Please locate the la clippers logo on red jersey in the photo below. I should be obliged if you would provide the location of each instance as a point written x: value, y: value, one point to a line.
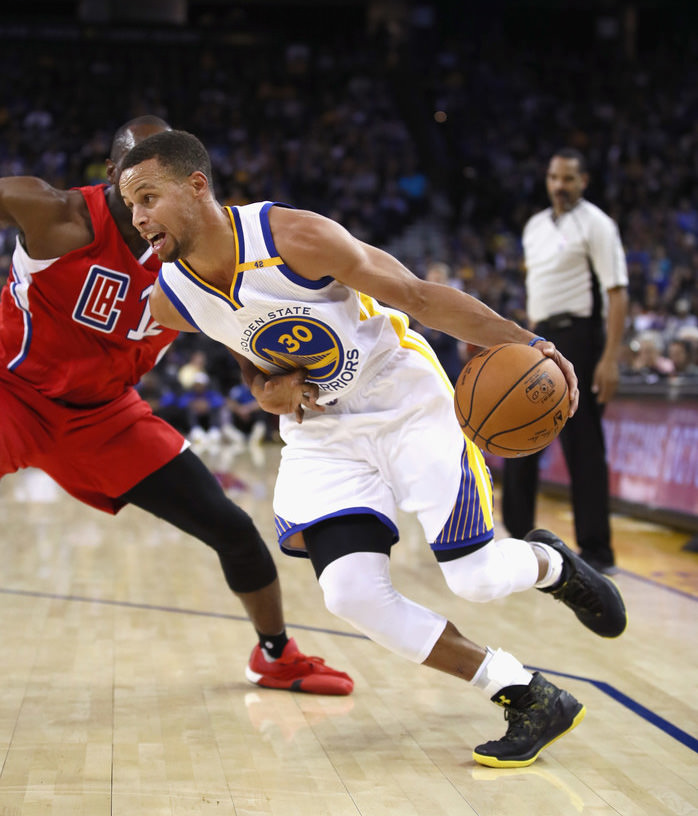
x: 97, y: 304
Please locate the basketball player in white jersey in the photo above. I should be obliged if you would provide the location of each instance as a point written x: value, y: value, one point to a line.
x: 285, y: 289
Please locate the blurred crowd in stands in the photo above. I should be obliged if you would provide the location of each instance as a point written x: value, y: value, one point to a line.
x: 418, y: 133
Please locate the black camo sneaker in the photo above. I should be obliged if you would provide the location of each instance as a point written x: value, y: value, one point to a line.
x: 593, y: 598
x: 537, y: 714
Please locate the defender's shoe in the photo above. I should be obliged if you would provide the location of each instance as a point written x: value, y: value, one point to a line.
x: 538, y: 714
x: 593, y: 598
x: 295, y: 671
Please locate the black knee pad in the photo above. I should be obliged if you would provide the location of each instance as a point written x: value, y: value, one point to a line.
x: 185, y: 493
x: 329, y: 540
x: 245, y: 558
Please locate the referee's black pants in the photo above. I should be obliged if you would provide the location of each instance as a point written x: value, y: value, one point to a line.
x: 584, y: 449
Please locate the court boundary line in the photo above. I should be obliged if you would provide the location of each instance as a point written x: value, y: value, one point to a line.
x: 645, y: 579
x: 640, y: 710
x: 177, y: 610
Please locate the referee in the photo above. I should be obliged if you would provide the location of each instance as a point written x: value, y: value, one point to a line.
x: 576, y: 289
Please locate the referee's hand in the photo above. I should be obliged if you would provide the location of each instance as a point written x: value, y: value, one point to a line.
x: 605, y: 383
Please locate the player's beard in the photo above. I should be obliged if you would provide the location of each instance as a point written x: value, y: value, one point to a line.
x: 174, y: 248
x: 171, y: 254
x: 185, y: 245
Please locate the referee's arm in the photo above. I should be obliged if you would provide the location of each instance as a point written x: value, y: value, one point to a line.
x: 606, y: 373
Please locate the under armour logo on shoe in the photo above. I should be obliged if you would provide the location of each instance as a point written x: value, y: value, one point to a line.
x: 503, y: 700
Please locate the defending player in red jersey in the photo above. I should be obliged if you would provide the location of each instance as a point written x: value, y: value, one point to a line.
x: 75, y: 336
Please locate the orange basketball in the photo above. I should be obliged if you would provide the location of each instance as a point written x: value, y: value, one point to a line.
x: 511, y: 400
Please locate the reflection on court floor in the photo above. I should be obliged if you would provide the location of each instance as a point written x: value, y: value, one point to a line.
x: 123, y: 693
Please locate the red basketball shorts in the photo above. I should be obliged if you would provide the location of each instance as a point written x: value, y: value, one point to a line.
x: 95, y: 454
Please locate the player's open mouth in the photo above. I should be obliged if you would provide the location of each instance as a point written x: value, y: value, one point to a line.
x: 157, y: 239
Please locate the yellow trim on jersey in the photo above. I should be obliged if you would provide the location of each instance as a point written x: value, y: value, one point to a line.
x: 238, y: 268
x: 238, y: 265
x: 245, y: 267
x: 206, y: 284
x: 408, y: 338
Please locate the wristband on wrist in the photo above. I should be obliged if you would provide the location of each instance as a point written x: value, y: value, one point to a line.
x: 535, y: 340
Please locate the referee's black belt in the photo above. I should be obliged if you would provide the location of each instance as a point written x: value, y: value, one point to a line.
x: 557, y: 322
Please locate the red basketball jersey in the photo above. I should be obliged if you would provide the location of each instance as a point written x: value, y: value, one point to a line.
x: 78, y: 328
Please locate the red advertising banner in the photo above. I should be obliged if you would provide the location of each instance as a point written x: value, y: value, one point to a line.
x: 652, y: 451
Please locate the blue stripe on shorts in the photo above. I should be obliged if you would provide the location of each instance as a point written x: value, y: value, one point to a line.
x: 467, y: 523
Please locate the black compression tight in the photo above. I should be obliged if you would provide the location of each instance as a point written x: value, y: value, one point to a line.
x: 185, y: 493
x: 335, y: 537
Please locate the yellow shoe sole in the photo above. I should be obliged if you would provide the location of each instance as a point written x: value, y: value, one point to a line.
x: 493, y: 762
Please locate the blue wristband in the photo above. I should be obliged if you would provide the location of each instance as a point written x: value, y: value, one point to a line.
x: 535, y: 340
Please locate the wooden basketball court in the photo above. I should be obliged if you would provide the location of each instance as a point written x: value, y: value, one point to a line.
x: 122, y: 688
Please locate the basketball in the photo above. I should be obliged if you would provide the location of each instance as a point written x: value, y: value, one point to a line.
x: 511, y: 400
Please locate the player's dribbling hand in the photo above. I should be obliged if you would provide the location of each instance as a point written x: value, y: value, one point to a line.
x: 550, y: 350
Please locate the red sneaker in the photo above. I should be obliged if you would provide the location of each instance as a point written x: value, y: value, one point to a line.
x: 296, y: 672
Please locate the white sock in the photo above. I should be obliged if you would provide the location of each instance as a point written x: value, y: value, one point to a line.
x: 498, y: 670
x: 554, y: 573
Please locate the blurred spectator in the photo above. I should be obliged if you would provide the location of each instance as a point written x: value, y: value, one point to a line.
x: 681, y: 318
x: 192, y: 370
x: 246, y: 415
x: 680, y: 352
x: 163, y: 401
x: 649, y: 361
x: 649, y: 313
x: 414, y: 185
x: 689, y: 334
x: 204, y: 407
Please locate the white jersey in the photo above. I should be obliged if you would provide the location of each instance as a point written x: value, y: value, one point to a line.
x: 563, y: 254
x: 282, y: 321
x: 389, y: 439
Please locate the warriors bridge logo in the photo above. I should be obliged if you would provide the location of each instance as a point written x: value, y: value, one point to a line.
x: 300, y: 342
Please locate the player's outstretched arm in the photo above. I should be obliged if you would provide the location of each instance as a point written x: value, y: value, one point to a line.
x: 53, y: 222
x: 315, y: 246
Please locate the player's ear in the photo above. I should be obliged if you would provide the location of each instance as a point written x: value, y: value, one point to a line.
x: 198, y: 182
x: 111, y: 171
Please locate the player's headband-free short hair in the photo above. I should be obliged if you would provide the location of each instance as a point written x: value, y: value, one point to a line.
x: 177, y: 150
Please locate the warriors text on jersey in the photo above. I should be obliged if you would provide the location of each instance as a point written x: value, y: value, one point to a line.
x: 78, y: 328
